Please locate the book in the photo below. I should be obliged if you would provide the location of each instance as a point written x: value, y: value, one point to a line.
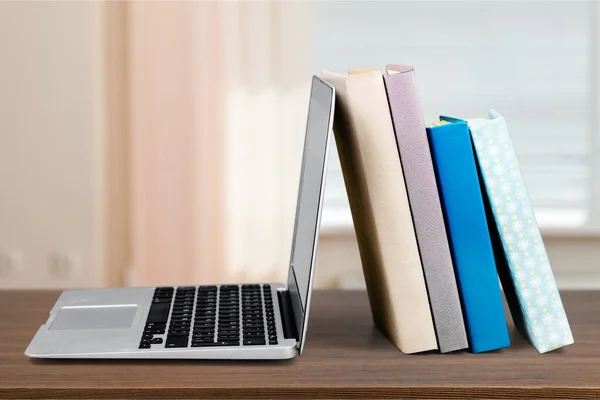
x: 381, y: 215
x: 415, y: 157
x: 521, y: 257
x: 464, y: 212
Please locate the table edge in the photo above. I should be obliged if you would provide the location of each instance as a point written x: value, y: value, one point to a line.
x: 329, y: 392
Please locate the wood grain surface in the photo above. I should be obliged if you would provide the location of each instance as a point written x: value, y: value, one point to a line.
x: 345, y: 357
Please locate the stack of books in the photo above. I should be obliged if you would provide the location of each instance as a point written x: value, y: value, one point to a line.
x: 440, y: 212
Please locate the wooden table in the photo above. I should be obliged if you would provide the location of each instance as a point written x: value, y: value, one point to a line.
x: 345, y: 357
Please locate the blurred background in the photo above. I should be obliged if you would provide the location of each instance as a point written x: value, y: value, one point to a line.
x: 155, y: 143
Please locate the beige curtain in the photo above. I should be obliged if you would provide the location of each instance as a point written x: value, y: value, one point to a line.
x: 217, y: 106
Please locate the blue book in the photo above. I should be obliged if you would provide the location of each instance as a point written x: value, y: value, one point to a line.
x: 470, y: 243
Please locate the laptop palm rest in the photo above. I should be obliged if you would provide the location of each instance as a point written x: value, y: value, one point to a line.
x: 95, y: 317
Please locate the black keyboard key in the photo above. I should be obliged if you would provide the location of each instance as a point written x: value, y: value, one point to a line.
x: 183, y: 304
x: 203, y: 340
x: 254, y: 328
x: 253, y: 322
x: 179, y: 299
x: 229, y: 314
x: 159, y: 312
x: 254, y: 342
x: 182, y: 328
x: 229, y: 327
x: 178, y: 316
x: 203, y: 344
x: 235, y: 317
x: 248, y: 335
x: 229, y: 321
x: 235, y: 339
x: 229, y: 306
x: 179, y: 331
x: 250, y: 327
x: 157, y: 340
x: 228, y: 342
x: 254, y: 334
x: 228, y: 333
x: 181, y: 317
x: 161, y: 300
x: 144, y: 345
x: 202, y: 337
x: 199, y: 322
x: 203, y: 333
x: 252, y: 316
x: 155, y: 331
x: 201, y: 327
x: 155, y: 324
x: 176, y: 341
x: 182, y: 321
x: 206, y: 304
x: 257, y: 308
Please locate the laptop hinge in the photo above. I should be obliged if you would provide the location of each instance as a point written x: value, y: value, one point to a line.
x: 287, y: 315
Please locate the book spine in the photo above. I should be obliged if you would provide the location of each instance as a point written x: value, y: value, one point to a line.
x: 415, y: 157
x: 531, y: 290
x: 380, y: 212
x: 470, y: 242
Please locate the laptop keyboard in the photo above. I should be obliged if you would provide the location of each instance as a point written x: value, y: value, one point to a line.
x: 209, y: 316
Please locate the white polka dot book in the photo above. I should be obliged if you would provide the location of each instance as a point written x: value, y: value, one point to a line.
x: 521, y: 258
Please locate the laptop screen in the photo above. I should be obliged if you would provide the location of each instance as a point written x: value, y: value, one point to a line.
x: 310, y: 197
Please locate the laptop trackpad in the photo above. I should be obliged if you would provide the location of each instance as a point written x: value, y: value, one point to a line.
x: 95, y: 317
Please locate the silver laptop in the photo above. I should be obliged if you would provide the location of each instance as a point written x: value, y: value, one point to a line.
x: 237, y: 321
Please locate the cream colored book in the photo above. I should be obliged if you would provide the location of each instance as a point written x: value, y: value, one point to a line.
x: 366, y: 144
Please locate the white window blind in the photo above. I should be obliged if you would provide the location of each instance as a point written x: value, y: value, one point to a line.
x: 534, y: 62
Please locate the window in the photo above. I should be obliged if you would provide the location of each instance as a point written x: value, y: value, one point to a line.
x: 537, y: 63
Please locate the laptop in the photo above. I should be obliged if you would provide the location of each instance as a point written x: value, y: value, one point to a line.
x: 235, y: 321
